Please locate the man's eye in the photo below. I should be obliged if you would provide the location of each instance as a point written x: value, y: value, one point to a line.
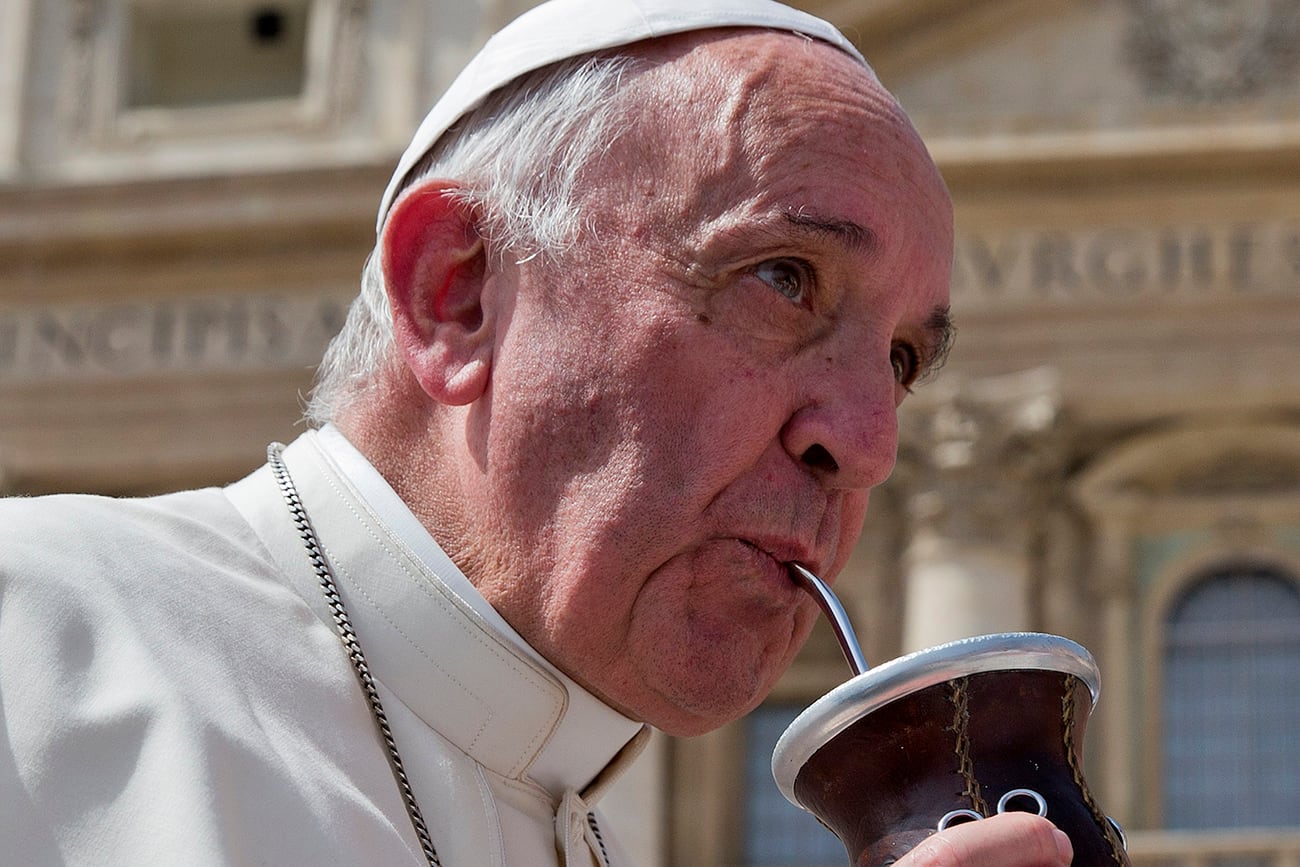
x: 906, y: 362
x: 790, y: 277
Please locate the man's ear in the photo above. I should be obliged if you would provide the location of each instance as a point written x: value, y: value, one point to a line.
x: 435, y: 268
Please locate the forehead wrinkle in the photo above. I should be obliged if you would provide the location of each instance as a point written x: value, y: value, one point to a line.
x: 685, y: 154
x: 733, y: 90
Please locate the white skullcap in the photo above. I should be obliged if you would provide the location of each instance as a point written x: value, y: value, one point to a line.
x: 560, y: 29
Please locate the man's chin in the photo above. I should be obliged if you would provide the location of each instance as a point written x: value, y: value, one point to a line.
x: 702, y: 678
x: 708, y: 703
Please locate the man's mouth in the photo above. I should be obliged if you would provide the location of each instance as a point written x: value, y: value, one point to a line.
x: 782, y: 551
x: 773, y: 560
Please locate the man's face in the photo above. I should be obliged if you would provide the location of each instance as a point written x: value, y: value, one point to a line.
x: 706, y: 388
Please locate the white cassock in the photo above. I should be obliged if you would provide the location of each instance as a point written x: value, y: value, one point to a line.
x: 173, y: 690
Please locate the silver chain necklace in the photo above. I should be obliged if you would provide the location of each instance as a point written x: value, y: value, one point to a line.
x: 350, y: 643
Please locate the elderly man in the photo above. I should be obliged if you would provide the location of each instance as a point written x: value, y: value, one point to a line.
x: 649, y: 286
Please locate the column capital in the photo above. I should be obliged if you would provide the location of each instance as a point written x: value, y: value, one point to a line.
x: 977, y: 456
x: 976, y: 453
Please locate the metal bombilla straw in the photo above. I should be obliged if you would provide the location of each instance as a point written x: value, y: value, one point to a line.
x: 834, y: 611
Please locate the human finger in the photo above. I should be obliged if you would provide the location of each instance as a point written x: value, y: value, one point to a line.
x: 1006, y: 840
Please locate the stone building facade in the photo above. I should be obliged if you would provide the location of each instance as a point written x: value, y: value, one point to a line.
x: 187, y: 193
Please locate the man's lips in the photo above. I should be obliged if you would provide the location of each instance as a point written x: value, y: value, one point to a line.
x: 776, y: 558
x: 751, y: 569
x: 784, y: 551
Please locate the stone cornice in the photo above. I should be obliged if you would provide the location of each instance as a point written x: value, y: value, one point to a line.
x: 46, y: 222
x: 1264, y: 154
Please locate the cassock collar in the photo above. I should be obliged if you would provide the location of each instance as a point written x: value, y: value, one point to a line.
x: 432, y: 640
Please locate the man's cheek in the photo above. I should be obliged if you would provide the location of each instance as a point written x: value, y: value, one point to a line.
x: 852, y: 518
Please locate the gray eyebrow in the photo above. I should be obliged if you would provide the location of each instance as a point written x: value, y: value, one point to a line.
x: 856, y: 237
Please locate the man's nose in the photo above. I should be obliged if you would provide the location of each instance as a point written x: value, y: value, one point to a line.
x: 846, y: 431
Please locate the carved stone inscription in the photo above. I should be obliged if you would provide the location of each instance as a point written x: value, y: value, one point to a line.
x: 1214, y: 49
x: 1107, y: 266
x: 214, y: 334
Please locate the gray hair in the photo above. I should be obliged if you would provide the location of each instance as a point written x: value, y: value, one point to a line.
x: 518, y: 159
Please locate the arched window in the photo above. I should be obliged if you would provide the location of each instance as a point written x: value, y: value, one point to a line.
x: 1232, y: 701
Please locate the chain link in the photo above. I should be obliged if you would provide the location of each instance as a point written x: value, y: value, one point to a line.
x: 353, y: 647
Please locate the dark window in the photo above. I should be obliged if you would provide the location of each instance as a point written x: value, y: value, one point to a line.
x: 776, y: 831
x: 1232, y: 702
x: 182, y: 54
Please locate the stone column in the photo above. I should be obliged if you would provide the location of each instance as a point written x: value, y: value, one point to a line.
x: 15, y: 18
x: 978, y: 457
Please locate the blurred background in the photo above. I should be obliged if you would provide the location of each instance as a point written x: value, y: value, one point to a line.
x: 187, y: 194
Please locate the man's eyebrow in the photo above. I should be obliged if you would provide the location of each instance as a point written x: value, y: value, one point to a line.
x: 856, y: 237
x: 940, y: 331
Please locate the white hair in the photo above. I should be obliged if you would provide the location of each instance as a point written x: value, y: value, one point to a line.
x: 517, y: 159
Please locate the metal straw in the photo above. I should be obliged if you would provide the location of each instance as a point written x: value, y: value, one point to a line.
x: 834, y: 611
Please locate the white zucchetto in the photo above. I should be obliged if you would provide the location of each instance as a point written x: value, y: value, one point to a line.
x: 561, y: 29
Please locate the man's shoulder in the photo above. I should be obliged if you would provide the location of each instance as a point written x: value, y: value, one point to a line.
x: 98, y: 529
x: 152, y: 660
x: 178, y: 586
x: 84, y: 547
